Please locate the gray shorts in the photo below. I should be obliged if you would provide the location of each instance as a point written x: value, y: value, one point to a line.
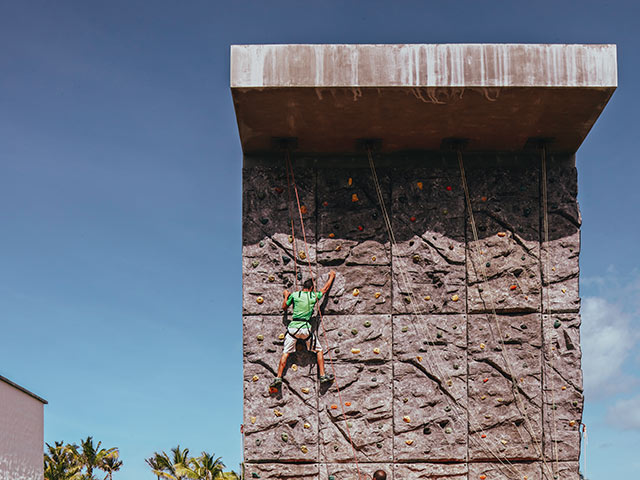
x: 294, y: 334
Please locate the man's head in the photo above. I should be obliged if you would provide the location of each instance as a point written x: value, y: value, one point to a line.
x: 379, y: 475
x: 308, y: 284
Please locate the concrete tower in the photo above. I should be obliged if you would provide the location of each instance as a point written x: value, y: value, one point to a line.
x: 439, y: 182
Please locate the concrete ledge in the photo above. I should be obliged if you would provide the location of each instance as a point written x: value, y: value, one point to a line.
x: 412, y: 96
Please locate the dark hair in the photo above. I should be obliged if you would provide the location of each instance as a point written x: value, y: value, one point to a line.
x: 308, y: 284
x: 380, y: 475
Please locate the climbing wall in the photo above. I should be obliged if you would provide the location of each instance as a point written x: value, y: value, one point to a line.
x: 455, y: 357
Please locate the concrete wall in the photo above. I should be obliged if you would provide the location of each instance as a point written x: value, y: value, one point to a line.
x: 21, y: 435
x: 436, y: 384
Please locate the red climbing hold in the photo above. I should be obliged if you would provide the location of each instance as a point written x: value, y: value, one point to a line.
x: 483, y: 436
x: 485, y: 380
x: 413, y: 219
x: 513, y: 287
x: 449, y: 188
x: 360, y: 227
x: 279, y: 190
x: 325, y: 204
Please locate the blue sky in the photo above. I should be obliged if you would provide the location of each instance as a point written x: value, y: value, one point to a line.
x: 120, y: 277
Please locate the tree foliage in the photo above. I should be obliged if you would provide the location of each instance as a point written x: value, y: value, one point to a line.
x: 72, y: 462
x: 180, y: 466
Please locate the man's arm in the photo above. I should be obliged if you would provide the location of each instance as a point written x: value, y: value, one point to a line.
x: 286, y: 297
x: 327, y: 285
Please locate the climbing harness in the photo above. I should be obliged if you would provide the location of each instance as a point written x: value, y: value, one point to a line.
x: 291, y: 177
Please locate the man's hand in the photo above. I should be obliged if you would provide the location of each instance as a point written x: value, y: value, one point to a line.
x: 286, y: 297
x: 327, y: 286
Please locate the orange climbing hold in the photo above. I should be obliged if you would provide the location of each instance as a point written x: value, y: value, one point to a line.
x: 303, y: 209
x: 513, y: 287
x: 354, y: 197
x: 413, y: 219
x: 348, y: 404
x: 484, y: 199
x: 350, y: 181
x: 334, y: 407
x: 332, y: 235
x: 483, y: 477
x: 419, y: 185
x: 502, y: 234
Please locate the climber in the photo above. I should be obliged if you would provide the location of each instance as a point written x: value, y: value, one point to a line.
x: 380, y: 475
x: 304, y: 302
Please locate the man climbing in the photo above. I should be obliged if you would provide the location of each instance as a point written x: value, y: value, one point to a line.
x: 304, y: 302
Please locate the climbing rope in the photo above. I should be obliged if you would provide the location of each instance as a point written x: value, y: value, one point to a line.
x: 324, y: 333
x: 293, y: 233
x: 545, y: 223
x: 408, y: 284
x: 516, y: 393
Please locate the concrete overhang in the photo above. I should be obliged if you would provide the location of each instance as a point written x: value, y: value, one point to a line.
x: 496, y: 96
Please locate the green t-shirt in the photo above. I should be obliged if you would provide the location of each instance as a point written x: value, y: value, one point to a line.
x: 303, y: 303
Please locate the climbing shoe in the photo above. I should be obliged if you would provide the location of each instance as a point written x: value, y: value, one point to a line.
x: 277, y: 383
x: 326, y: 378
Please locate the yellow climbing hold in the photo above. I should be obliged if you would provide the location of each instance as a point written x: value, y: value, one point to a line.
x: 483, y: 397
x: 290, y: 238
x: 271, y: 278
x: 277, y: 413
x: 455, y: 298
x: 350, y: 182
x: 564, y: 290
x: 427, y: 298
x: 260, y: 300
x: 255, y: 378
x: 409, y: 442
x: 564, y: 388
x: 294, y: 367
x: 338, y: 248
x: 354, y: 197
x: 373, y: 259
x: 419, y: 358
x: 304, y: 390
x: 449, y: 383
x: 355, y: 351
x: 356, y: 292
x: 482, y: 346
x: 376, y: 350
x: 377, y: 294
x: 304, y: 449
x: 281, y: 336
x: 419, y: 185
x: 253, y: 420
x: 572, y: 423
x: 406, y: 419
x: 499, y: 399
x: 502, y: 234
x: 306, y: 426
x: 504, y: 442
x: 302, y: 255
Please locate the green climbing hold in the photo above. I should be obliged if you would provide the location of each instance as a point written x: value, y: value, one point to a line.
x: 456, y: 366
x: 575, y: 404
x: 448, y: 430
x: 264, y: 220
x: 349, y: 424
x: 455, y: 327
x: 285, y: 437
x: 255, y: 263
x: 522, y: 258
x: 557, y: 324
x: 488, y: 264
x: 285, y: 259
x: 354, y: 331
x: 261, y: 243
x: 331, y: 477
x: 439, y: 335
x: 299, y: 275
x: 255, y: 475
x: 405, y: 329
x: 527, y: 212
x: 367, y: 324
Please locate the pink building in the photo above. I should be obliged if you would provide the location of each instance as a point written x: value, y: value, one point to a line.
x: 21, y: 433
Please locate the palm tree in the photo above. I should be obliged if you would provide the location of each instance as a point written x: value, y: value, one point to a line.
x: 61, y: 463
x: 204, y: 467
x: 91, y: 457
x: 167, y: 467
x: 111, y: 463
x: 155, y: 463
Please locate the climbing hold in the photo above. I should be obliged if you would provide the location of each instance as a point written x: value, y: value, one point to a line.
x: 483, y: 477
x: 513, y: 287
x: 325, y: 204
x: 339, y: 334
x: 404, y: 329
x: 377, y: 294
x: 281, y: 336
x: 409, y: 442
x: 527, y: 212
x: 439, y: 335
x: 356, y: 292
x: 427, y: 298
x: 253, y: 420
x: 354, y: 331
x: 348, y: 404
x: 290, y: 238
x: 350, y: 181
x: 416, y: 258
x: 355, y: 351
x: 488, y: 264
x: 255, y: 263
x: 564, y: 290
x: 376, y: 350
x: 373, y: 259
x: 572, y: 423
x: 502, y: 234
x: 413, y: 219
x: 331, y: 477
x: 303, y: 209
x: 482, y: 345
x: 302, y: 255
x: 483, y: 397
x: 332, y: 235
x: 360, y: 227
x: 277, y: 413
x: 450, y: 247
x: 304, y: 390
x: 504, y: 442
x: 261, y: 243
x: 338, y: 248
x: 419, y: 185
x: 455, y: 298
x: 255, y: 378
x: 407, y: 300
x: 285, y: 437
x: 255, y: 475
x: 448, y: 430
x: 485, y: 380
x: 449, y: 382
x: 271, y: 278
x: 260, y: 337
x: 447, y: 408
x: 449, y: 188
x: 484, y: 199
x: 557, y: 324
x: 445, y: 211
x: 294, y: 367
x: 419, y: 358
x: 499, y: 400
x: 522, y: 258
x: 406, y: 419
x: 299, y: 276
x: 334, y: 407
x: 483, y: 436
x: 367, y: 324
x: 264, y: 220
x: 304, y: 449
x: 260, y: 300
x: 285, y: 259
x: 379, y: 445
x: 354, y: 197
x: 306, y: 425
x: 279, y: 190
x: 405, y: 400
x: 564, y: 388
x: 456, y: 366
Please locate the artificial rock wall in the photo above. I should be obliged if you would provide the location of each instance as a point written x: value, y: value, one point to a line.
x: 434, y: 385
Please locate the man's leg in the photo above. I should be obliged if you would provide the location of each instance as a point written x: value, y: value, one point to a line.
x: 320, y: 363
x: 283, y: 363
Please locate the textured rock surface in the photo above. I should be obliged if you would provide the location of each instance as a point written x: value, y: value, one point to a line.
x: 427, y: 373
